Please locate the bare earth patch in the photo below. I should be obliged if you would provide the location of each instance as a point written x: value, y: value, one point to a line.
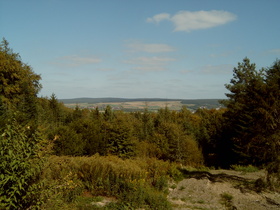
x: 222, y: 189
x: 105, y: 201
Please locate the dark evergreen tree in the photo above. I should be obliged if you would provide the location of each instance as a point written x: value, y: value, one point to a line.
x: 251, y: 122
x: 119, y: 137
x: 67, y: 142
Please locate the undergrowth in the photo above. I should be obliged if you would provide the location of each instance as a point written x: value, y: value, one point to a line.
x: 245, y: 169
x: 139, y: 183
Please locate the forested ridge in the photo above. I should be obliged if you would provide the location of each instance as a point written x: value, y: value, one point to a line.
x: 114, y: 152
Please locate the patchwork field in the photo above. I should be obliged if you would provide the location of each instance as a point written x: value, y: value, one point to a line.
x: 140, y: 104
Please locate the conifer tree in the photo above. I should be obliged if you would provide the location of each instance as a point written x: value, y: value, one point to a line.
x: 253, y: 113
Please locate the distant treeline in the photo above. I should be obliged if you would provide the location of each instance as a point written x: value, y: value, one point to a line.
x: 200, y: 102
x: 192, y: 104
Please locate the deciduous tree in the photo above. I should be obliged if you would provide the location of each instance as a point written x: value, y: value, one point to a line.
x: 19, y: 85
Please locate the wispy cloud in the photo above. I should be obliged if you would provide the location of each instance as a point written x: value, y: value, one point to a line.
x: 150, y: 63
x: 74, y: 60
x: 104, y: 69
x: 149, y: 48
x: 273, y: 51
x: 150, y: 60
x: 219, y: 55
x: 188, y: 21
x: 185, y: 71
x: 217, y: 69
x: 159, y: 17
x: 150, y: 68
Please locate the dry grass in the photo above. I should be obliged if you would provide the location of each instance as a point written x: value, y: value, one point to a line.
x: 140, y: 182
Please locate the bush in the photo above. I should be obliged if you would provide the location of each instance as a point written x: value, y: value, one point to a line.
x: 67, y: 141
x: 226, y: 199
x: 20, y: 168
x: 273, y: 175
x: 141, y: 195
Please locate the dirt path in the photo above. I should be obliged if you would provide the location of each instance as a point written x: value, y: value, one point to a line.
x: 222, y: 189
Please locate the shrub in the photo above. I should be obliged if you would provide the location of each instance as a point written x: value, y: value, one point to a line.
x: 273, y: 175
x: 67, y: 141
x: 226, y: 199
x: 109, y: 175
x: 20, y: 168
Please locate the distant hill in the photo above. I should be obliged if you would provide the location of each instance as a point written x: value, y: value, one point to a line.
x: 111, y: 100
x: 136, y: 104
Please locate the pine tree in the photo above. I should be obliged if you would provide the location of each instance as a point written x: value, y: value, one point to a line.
x: 252, y: 114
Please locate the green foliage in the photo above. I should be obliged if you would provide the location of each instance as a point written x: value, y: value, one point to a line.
x: 134, y: 183
x: 167, y: 135
x: 246, y: 169
x: 19, y: 85
x: 147, y: 149
x: 143, y: 196
x: 119, y: 137
x: 20, y: 168
x: 253, y: 113
x: 91, y: 135
x: 209, y: 134
x: 273, y: 175
x: 108, y: 114
x: 175, y: 145
x: 67, y: 141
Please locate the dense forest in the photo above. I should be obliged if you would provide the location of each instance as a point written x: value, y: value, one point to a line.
x: 40, y: 132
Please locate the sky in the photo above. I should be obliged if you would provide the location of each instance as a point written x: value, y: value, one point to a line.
x: 173, y: 49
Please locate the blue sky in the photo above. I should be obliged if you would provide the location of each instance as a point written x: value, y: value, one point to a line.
x: 182, y: 49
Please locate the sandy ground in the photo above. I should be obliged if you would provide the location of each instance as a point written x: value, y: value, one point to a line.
x: 221, y: 189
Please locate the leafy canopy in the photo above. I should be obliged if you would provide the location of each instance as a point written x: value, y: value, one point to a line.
x: 18, y: 82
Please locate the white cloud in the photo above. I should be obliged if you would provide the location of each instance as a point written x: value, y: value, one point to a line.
x: 217, y: 69
x: 149, y: 48
x: 158, y: 18
x: 149, y: 68
x: 150, y: 63
x: 149, y: 60
x: 189, y: 21
x: 74, y: 60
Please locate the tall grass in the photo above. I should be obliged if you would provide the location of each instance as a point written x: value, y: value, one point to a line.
x: 134, y: 183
